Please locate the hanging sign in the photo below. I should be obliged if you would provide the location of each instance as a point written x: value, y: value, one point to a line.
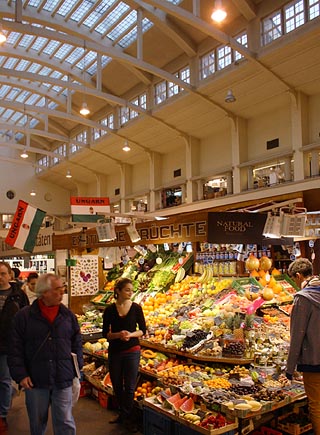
x: 190, y: 228
x: 235, y: 227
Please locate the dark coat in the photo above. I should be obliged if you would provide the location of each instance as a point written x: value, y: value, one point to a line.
x: 14, y: 302
x: 52, y: 365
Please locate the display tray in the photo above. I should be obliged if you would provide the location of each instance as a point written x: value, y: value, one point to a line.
x: 195, y: 357
x: 248, y: 413
x: 292, y: 428
x: 211, y: 430
x: 92, y: 336
x: 148, y: 402
x: 98, y: 384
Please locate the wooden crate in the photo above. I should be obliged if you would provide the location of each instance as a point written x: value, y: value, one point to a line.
x: 292, y: 428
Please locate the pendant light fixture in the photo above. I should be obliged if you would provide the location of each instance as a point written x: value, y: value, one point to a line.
x: 230, y: 98
x: 219, y: 14
x: 24, y: 154
x: 84, y: 110
x: 3, y: 37
x: 68, y: 174
x: 33, y: 192
x: 126, y: 147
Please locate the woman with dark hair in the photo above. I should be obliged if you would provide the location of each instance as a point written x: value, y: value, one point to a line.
x: 123, y: 325
x: 30, y: 285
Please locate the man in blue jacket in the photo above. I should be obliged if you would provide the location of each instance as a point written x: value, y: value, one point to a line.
x: 44, y: 336
x: 304, y: 352
x: 12, y: 299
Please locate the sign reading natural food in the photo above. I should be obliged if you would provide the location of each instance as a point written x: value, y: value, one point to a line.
x: 235, y: 227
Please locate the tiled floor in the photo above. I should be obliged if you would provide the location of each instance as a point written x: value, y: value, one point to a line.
x: 90, y: 417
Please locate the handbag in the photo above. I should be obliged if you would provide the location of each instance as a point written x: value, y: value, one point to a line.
x: 76, y: 385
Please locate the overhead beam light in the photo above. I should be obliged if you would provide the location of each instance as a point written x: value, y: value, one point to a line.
x: 126, y: 147
x: 219, y: 14
x: 3, y: 37
x: 84, y: 109
x: 230, y: 98
x: 24, y: 154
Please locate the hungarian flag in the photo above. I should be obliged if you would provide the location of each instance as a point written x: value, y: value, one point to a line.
x: 88, y: 209
x: 25, y: 227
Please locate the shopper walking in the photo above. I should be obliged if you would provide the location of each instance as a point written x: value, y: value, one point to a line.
x: 123, y: 325
x: 304, y: 352
x: 44, y: 335
x: 30, y: 286
x: 11, y: 300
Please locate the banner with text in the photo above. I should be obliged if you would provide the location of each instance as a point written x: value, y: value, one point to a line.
x: 88, y: 209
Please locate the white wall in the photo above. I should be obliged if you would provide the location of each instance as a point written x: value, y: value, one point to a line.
x: 21, y: 180
x: 140, y: 177
x: 270, y: 125
x: 210, y: 158
x: 171, y: 162
x: 314, y: 118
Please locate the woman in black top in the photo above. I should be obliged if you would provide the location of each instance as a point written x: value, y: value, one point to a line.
x: 123, y: 325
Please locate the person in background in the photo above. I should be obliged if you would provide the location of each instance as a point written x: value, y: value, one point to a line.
x: 123, y: 325
x: 29, y: 286
x: 15, y: 276
x: 12, y: 299
x: 304, y: 351
x: 43, y: 338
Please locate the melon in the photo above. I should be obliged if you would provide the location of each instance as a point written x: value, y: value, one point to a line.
x: 107, y: 380
x: 188, y: 405
x: 172, y: 399
x: 252, y: 263
x: 178, y: 403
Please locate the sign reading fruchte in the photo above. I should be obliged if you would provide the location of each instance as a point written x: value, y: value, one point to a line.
x: 88, y: 209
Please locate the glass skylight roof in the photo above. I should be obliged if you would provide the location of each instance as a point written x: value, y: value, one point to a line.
x: 110, y: 20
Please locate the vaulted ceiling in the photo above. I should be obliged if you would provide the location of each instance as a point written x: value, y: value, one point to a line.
x: 60, y: 53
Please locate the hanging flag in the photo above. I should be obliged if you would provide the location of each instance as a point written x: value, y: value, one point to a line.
x: 88, y: 209
x: 25, y: 227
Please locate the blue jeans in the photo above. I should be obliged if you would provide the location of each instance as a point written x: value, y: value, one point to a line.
x: 123, y: 368
x: 38, y: 401
x: 5, y: 387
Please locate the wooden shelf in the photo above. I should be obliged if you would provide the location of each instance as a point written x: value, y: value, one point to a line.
x: 167, y: 350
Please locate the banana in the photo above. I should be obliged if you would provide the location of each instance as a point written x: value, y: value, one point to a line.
x: 203, y: 277
x: 210, y: 272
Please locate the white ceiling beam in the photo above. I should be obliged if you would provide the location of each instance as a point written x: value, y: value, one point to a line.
x: 31, y: 149
x: 125, y: 58
x: 160, y: 19
x: 69, y: 117
x: 112, y: 99
x: 247, y: 8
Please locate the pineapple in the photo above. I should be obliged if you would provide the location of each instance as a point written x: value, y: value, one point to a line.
x: 248, y: 321
x: 237, y: 330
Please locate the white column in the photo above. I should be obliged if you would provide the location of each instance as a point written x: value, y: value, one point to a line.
x: 314, y: 163
x: 299, y: 124
x: 239, y: 151
x: 125, y: 183
x: 250, y: 177
x: 287, y: 169
x: 155, y: 180
x: 192, y: 167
